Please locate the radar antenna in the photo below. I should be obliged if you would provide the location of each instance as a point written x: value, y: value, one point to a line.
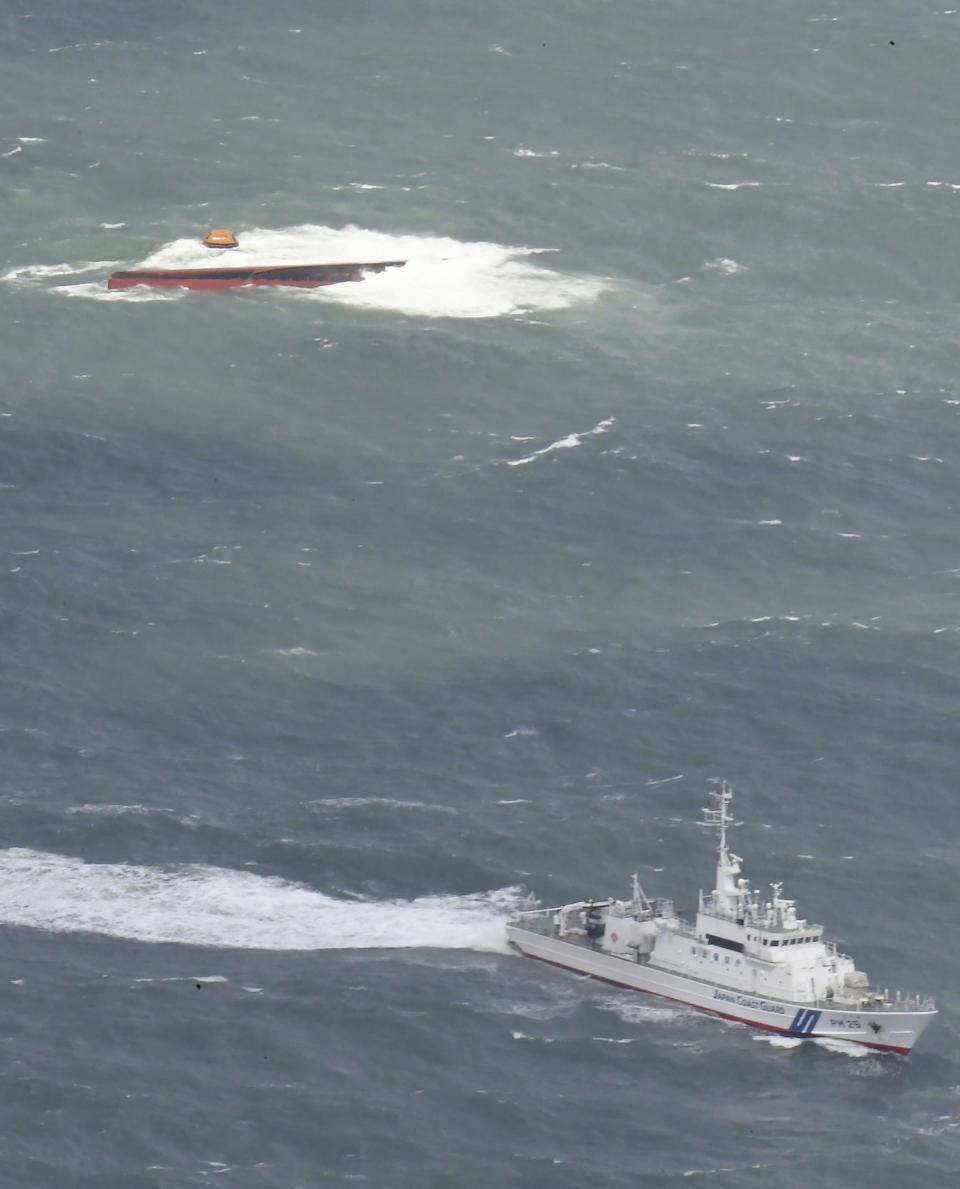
x: 727, y: 894
x: 718, y: 816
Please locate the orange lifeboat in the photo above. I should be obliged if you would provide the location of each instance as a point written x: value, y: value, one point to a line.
x: 219, y: 237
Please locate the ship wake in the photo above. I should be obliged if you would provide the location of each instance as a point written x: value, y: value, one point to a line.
x: 225, y: 909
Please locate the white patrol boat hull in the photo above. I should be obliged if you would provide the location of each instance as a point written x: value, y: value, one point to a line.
x: 888, y: 1030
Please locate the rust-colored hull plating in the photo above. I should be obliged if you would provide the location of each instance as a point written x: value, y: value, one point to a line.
x: 303, y: 276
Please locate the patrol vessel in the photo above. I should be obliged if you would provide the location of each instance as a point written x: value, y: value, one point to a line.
x: 744, y: 957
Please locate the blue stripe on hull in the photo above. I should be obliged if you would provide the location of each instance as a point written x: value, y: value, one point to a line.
x: 805, y: 1021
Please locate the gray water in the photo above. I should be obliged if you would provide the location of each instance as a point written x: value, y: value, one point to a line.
x: 335, y: 622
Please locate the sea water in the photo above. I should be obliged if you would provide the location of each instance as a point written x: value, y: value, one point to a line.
x: 337, y: 622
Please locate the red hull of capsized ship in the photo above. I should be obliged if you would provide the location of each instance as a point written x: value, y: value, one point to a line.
x: 302, y: 276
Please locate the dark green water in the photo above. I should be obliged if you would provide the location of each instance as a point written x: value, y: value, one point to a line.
x: 333, y: 622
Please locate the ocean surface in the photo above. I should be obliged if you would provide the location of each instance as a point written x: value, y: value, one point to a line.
x: 334, y: 623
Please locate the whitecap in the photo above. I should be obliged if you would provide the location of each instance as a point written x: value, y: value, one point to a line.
x: 566, y: 443
x: 117, y: 810
x: 725, y: 265
x: 360, y: 802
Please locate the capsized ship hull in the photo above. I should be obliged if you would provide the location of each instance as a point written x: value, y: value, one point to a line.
x: 302, y: 276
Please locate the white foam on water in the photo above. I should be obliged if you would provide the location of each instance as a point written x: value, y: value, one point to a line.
x: 845, y: 1047
x: 336, y: 803
x: 225, y: 909
x: 778, y: 1042
x: 95, y: 291
x: 98, y: 810
x: 521, y: 151
x: 468, y: 285
x: 725, y: 265
x: 567, y: 443
x: 41, y: 272
x: 442, y: 277
x: 644, y: 1009
x: 713, y: 1172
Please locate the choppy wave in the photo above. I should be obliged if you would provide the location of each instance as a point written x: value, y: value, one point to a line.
x: 221, y: 908
x: 568, y: 442
x: 442, y: 277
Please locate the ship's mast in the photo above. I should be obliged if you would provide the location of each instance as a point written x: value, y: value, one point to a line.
x: 728, y: 894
